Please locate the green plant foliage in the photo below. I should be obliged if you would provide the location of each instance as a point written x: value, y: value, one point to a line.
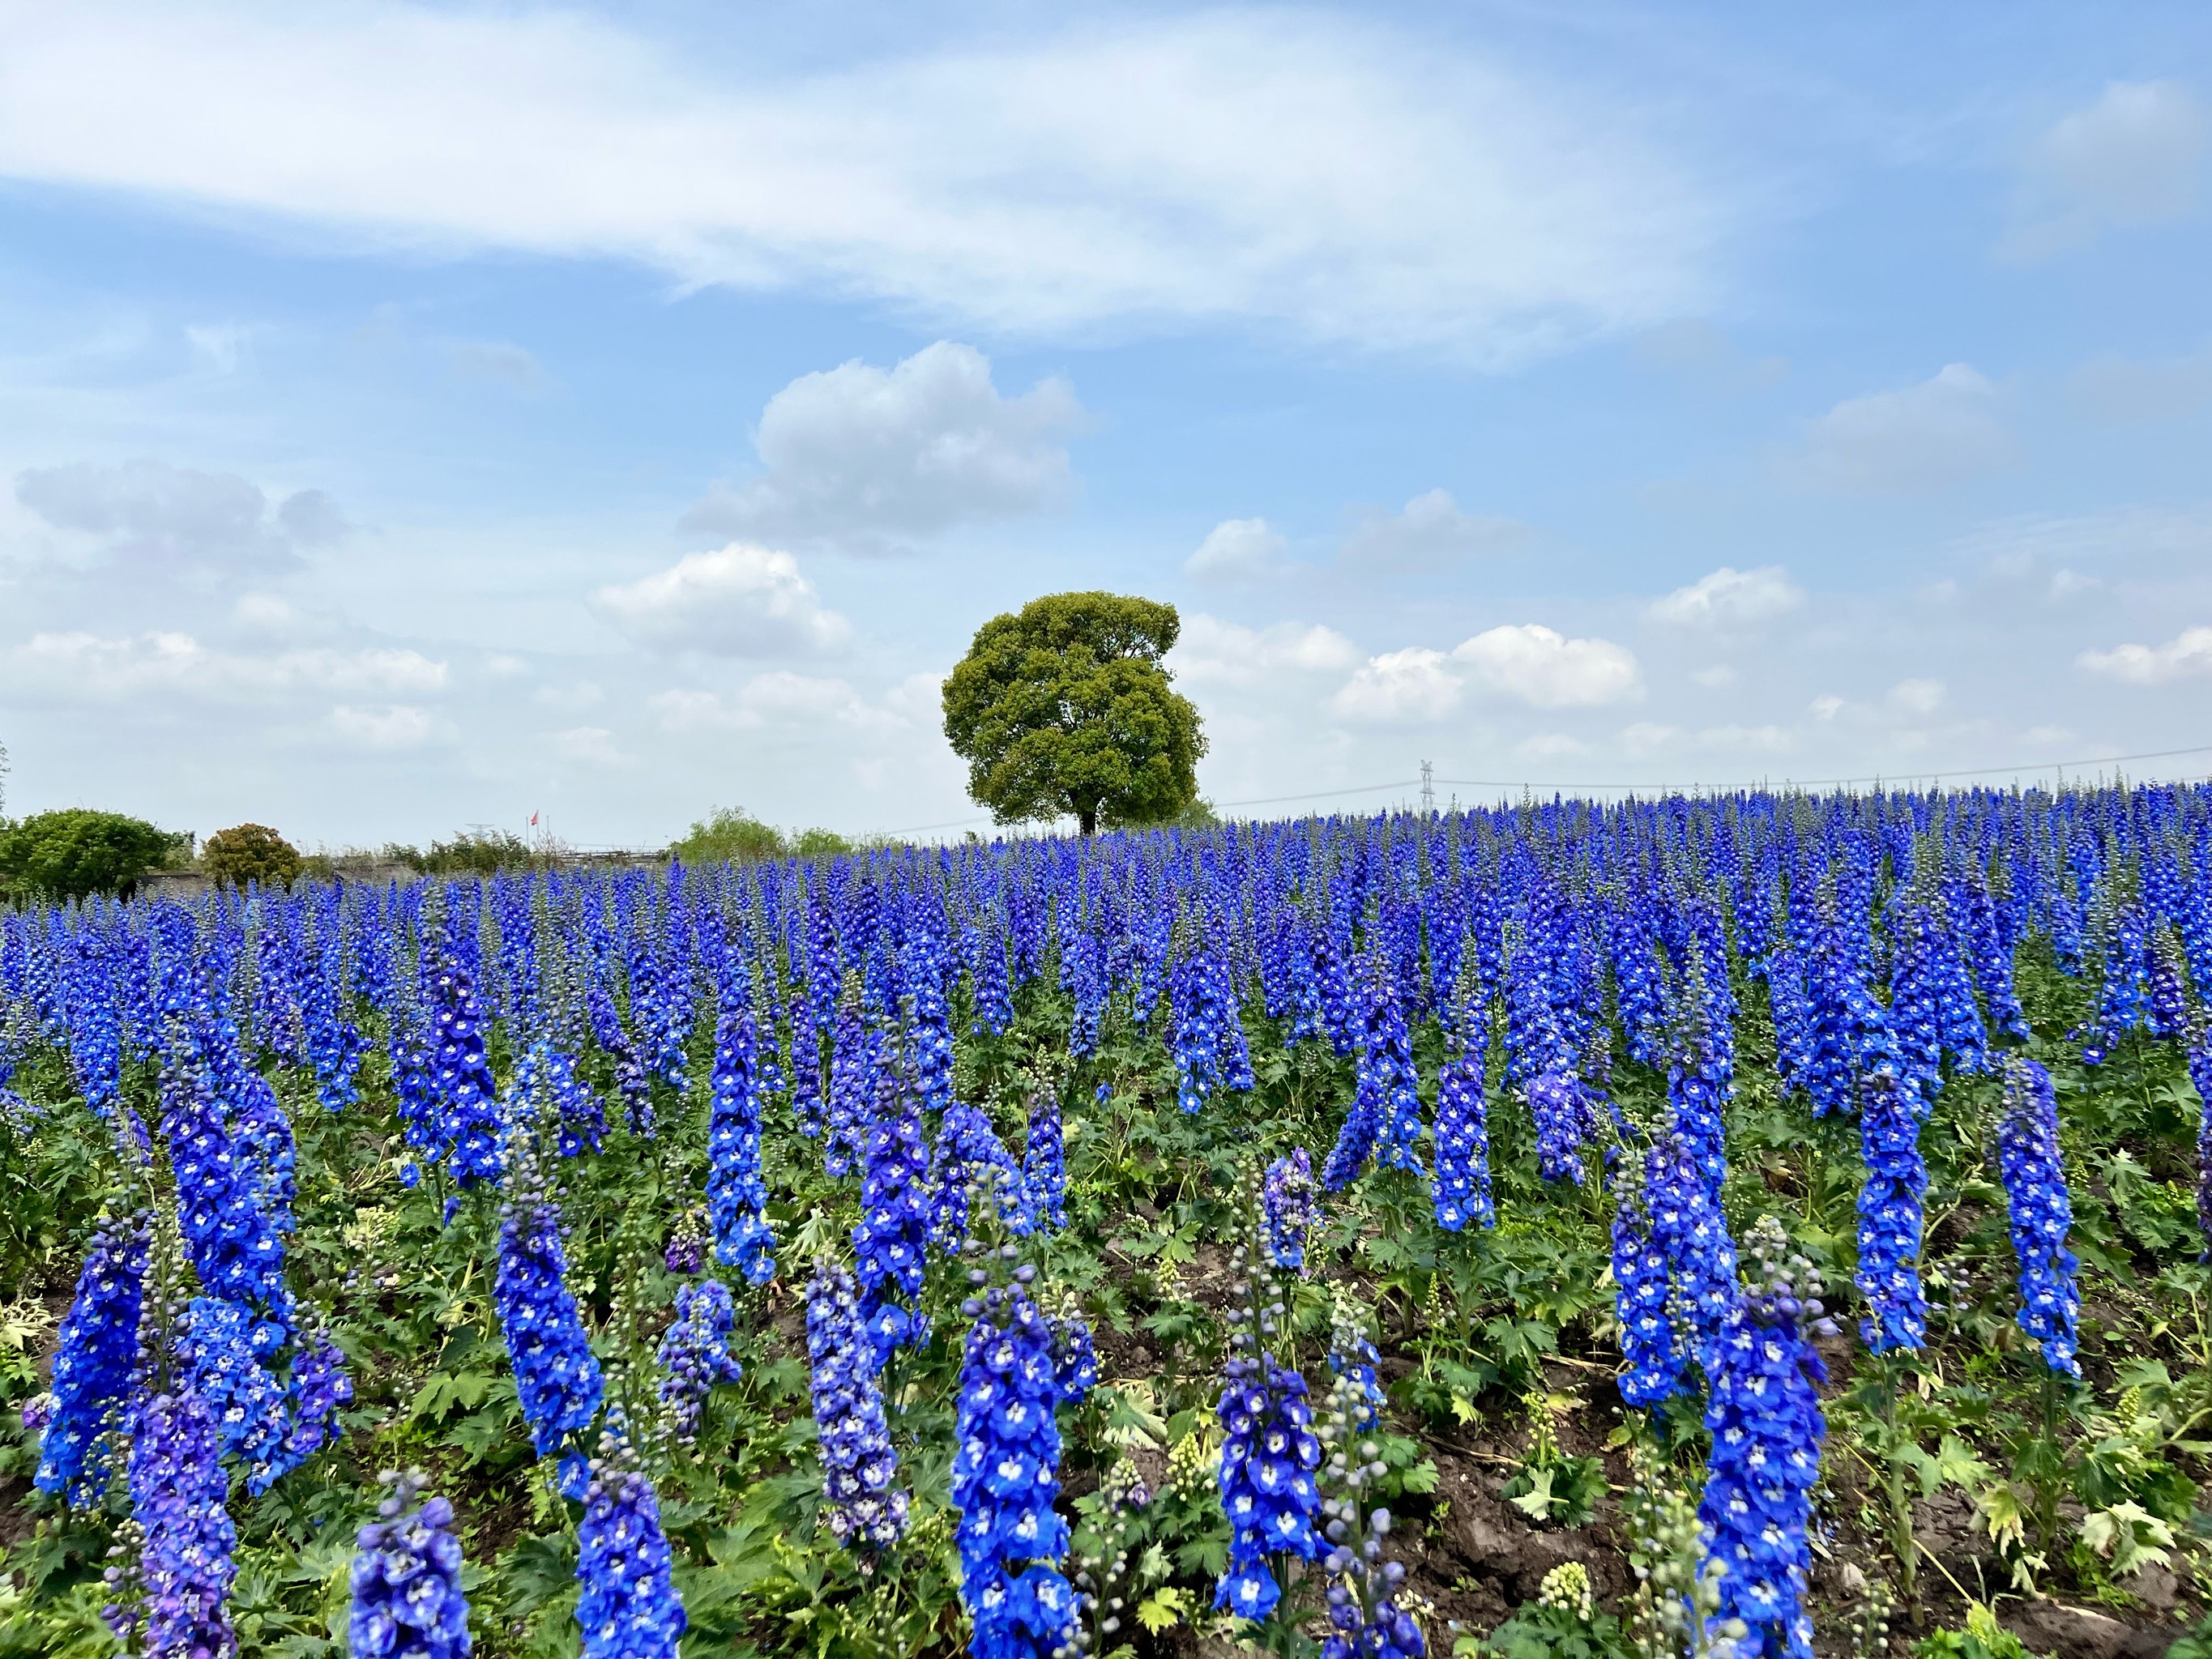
x: 1063, y: 708
x: 248, y: 853
x: 75, y: 851
x: 729, y: 835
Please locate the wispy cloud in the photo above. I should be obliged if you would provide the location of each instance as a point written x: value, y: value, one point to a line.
x: 1331, y: 175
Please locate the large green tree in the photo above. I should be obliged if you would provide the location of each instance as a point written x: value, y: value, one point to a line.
x: 1064, y: 708
x: 76, y: 850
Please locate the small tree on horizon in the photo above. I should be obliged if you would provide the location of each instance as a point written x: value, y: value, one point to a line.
x: 248, y: 853
x: 1063, y: 710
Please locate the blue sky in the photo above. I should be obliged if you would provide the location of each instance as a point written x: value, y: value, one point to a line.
x: 421, y: 416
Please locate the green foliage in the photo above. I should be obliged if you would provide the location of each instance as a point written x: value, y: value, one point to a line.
x: 1537, y: 1631
x: 75, y: 851
x: 469, y: 852
x: 248, y: 853
x: 729, y: 835
x: 1982, y: 1639
x: 1063, y: 710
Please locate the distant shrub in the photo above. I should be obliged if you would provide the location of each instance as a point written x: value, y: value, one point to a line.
x: 68, y: 853
x: 470, y: 852
x: 250, y: 853
x: 729, y: 834
x: 819, y: 844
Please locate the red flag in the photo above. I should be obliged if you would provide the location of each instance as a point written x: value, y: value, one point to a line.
x: 534, y: 820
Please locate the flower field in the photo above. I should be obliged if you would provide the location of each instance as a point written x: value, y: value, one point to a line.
x: 1754, y: 1224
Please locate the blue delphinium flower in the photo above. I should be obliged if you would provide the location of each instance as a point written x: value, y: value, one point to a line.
x: 1044, y: 1159
x: 320, y: 1387
x: 1385, y: 1118
x: 968, y: 1148
x: 1639, y: 1277
x: 1365, y: 1620
x: 1792, y: 1014
x: 1890, y: 1214
x: 1208, y: 1037
x: 546, y: 1080
x: 1352, y: 1356
x: 1006, y: 1475
x: 1688, y: 1225
x: 1764, y: 1412
x: 93, y: 1362
x: 890, y: 1239
x: 1074, y: 1356
x: 407, y: 1597
x: 238, y: 1255
x: 468, y: 1115
x: 1355, y: 1141
x: 1289, y: 1208
x: 414, y: 1087
x: 556, y: 1376
x: 1386, y: 1050
x: 1462, y: 1179
x: 1563, y: 1119
x: 2122, y: 992
x: 1082, y: 972
x: 695, y: 1355
x: 2041, y: 1211
x: 1269, y: 1457
x: 178, y: 1493
x: 248, y: 1404
x: 629, y: 1608
x: 861, y: 1503
x: 855, y: 1056
x: 737, y: 1198
x: 1695, y: 1090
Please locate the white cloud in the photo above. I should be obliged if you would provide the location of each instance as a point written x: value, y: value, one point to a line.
x: 787, y: 701
x: 163, y: 516
x: 1916, y: 697
x: 1400, y: 688
x: 1550, y: 745
x: 1237, y: 550
x: 1731, y: 598
x: 1907, y: 442
x: 866, y: 458
x: 1530, y: 663
x: 2131, y: 158
x: 741, y: 600
x: 590, y: 745
x: 2187, y: 655
x: 1650, y: 737
x: 1545, y: 670
x: 393, y: 726
x: 1747, y: 740
x: 1715, y: 677
x: 1345, y: 179
x: 1429, y: 531
x: 1826, y: 706
x: 87, y: 667
x: 1210, y: 652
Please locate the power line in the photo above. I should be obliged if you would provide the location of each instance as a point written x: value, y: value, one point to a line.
x: 1872, y: 777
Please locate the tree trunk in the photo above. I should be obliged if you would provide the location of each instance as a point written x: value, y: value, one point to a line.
x: 1086, y: 818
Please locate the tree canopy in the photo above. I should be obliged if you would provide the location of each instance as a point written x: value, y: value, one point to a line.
x: 68, y: 854
x: 1064, y: 708
x: 250, y: 853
